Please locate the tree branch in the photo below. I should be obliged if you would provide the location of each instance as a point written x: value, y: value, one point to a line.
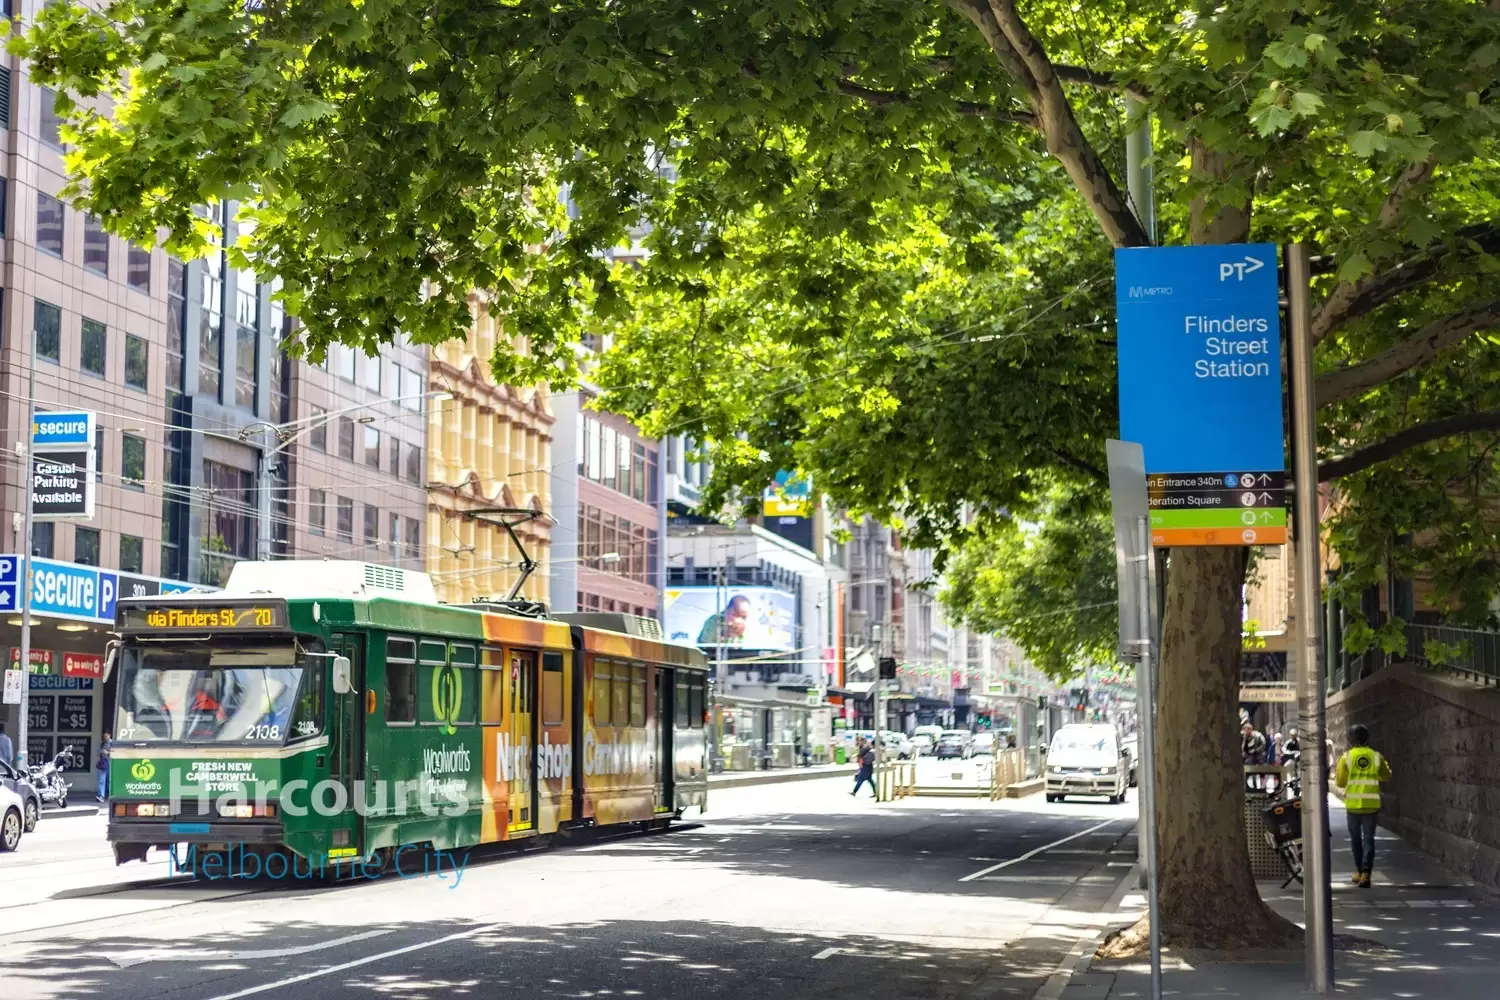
x: 1060, y: 128
x: 869, y: 96
x: 1077, y: 464
x: 1099, y: 80
x: 1412, y: 437
x: 1376, y: 290
x: 1333, y: 310
x: 1418, y: 349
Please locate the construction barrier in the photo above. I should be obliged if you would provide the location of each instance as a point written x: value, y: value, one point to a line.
x: 1008, y: 769
x: 895, y: 779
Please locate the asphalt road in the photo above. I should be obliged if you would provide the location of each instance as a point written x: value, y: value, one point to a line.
x: 782, y: 891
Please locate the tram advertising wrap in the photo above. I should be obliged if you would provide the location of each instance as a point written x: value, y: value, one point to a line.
x: 749, y: 617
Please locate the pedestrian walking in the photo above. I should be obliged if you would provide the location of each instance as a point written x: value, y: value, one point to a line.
x: 865, y: 755
x: 7, y: 749
x: 101, y: 764
x: 1253, y: 751
x: 1360, y: 772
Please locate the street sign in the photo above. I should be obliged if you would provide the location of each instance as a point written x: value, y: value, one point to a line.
x: 14, y: 679
x: 1201, y: 390
x: 62, y: 466
x: 1128, y: 504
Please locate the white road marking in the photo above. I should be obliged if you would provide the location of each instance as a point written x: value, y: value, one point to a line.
x: 1033, y: 853
x: 126, y: 959
x: 825, y: 953
x: 356, y: 963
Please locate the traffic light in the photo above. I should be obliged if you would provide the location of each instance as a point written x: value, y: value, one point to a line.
x: 887, y: 668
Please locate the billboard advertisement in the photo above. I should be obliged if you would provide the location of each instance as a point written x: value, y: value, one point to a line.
x: 750, y: 617
x: 790, y: 496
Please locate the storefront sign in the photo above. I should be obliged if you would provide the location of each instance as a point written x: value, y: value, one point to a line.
x: 40, y: 660
x: 57, y: 682
x: 39, y: 713
x: 38, y: 748
x: 14, y: 681
x: 80, y: 593
x: 83, y: 665
x: 75, y: 713
x: 62, y: 468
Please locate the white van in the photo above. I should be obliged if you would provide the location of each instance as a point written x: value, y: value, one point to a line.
x: 1087, y: 759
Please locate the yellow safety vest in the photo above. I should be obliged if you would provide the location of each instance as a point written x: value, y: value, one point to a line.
x: 1362, y: 793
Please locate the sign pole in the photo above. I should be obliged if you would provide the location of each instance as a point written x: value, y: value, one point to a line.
x: 1317, y: 892
x: 1146, y: 679
x: 28, y: 480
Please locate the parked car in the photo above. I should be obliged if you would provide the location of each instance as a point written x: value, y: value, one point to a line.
x: 1087, y: 759
x: 931, y: 732
x: 983, y: 743
x: 954, y: 743
x: 1132, y: 745
x: 897, y: 745
x: 20, y: 783
x: 12, y: 819
x: 922, y: 744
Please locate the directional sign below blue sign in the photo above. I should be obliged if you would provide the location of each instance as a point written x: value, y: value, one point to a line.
x: 1201, y: 385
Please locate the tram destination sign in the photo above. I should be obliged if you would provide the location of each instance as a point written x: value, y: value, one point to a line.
x: 174, y: 618
x: 1201, y: 390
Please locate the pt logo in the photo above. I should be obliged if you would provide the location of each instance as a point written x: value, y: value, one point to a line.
x: 447, y: 696
x: 143, y: 770
x: 1362, y: 761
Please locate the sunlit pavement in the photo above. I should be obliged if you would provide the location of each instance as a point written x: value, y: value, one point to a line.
x: 793, y: 890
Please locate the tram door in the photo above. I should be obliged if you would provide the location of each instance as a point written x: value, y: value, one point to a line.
x: 346, y: 743
x: 666, y: 769
x: 521, y: 720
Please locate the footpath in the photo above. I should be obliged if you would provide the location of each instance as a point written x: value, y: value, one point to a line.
x: 1431, y: 933
x: 775, y: 776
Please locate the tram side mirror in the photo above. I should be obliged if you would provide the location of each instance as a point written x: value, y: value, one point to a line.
x: 343, y: 681
x: 111, y: 651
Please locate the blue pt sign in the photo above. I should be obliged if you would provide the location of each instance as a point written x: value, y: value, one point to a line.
x: 1201, y: 389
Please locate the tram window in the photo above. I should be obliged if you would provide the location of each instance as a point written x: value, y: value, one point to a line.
x: 680, y: 708
x: 695, y: 702
x: 523, y: 668
x: 491, y: 686
x: 603, y: 671
x: 552, y: 689
x: 637, y: 695
x: 400, y: 680
x: 462, y: 657
x: 307, y: 718
x: 621, y: 695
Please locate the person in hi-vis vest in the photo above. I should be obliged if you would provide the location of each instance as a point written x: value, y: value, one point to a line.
x: 1361, y: 770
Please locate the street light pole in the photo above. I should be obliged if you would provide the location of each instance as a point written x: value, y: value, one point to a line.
x: 27, y: 483
x: 1317, y: 892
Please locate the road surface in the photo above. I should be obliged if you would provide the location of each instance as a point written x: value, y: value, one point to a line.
x: 781, y: 891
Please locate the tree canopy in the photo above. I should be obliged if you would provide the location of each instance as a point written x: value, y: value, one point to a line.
x: 879, y: 237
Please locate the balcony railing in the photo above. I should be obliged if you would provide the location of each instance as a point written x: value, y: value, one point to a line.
x: 1472, y: 653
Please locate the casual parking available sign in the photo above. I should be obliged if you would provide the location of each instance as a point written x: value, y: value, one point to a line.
x: 62, y: 466
x: 1201, y: 390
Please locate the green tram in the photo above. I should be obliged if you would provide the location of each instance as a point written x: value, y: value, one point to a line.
x: 334, y: 711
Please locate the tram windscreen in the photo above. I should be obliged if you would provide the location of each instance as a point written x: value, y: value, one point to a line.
x: 217, y: 694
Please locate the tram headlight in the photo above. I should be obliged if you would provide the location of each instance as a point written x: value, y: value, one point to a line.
x: 232, y: 810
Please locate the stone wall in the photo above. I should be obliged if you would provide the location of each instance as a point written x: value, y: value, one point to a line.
x: 1442, y: 736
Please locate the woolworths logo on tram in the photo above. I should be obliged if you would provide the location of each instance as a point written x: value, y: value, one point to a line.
x: 143, y: 770
x: 447, y: 697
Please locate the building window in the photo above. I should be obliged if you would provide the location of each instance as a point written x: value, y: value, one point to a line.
x: 246, y: 341
x: 131, y: 548
x: 413, y: 538
x: 346, y: 519
x: 133, y: 461
x: 414, y: 463
x: 411, y: 390
x: 346, y: 438
x: 51, y: 125
x: 91, y: 347
x: 86, y: 546
x: 372, y: 374
x: 4, y: 203
x: 228, y: 520
x: 138, y: 268
x: 317, y: 434
x: 98, y: 454
x: 176, y: 323
x: 47, y: 321
x: 279, y: 326
x: 395, y: 524
x: 95, y: 246
x: 343, y: 361
x: 211, y: 327
x: 49, y: 225
x: 394, y: 450
x: 372, y: 447
x: 136, y: 358
x: 372, y: 525
x: 42, y: 536
x: 317, y: 501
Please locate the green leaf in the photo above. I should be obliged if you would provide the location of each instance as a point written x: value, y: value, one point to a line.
x: 1287, y: 55
x: 304, y: 111
x: 1270, y: 118
x: 1367, y: 143
x: 1305, y: 103
x: 1354, y: 267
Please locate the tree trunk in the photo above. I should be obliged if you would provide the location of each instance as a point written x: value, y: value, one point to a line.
x: 1208, y: 895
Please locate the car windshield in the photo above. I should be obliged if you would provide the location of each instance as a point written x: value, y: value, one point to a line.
x: 229, y: 693
x: 1091, y: 742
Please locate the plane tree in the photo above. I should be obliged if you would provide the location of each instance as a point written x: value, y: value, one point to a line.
x: 879, y: 237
